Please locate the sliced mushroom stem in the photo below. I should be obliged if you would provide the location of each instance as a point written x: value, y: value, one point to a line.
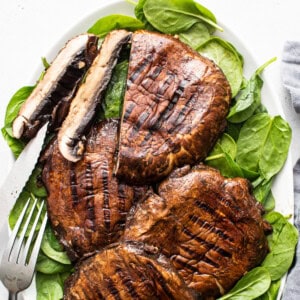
x: 89, y: 95
x: 57, y: 85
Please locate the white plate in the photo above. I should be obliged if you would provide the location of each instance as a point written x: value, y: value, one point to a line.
x: 283, y: 185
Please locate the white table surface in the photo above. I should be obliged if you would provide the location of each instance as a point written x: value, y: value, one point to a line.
x: 29, y: 28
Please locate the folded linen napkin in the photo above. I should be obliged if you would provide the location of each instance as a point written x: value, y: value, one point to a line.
x: 290, y: 70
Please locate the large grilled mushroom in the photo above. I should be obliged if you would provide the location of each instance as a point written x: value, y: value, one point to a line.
x: 58, y: 85
x: 83, y: 106
x: 174, y: 109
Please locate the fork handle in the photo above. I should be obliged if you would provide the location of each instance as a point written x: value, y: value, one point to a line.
x: 13, y: 296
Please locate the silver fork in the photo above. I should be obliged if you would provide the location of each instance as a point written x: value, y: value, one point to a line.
x: 19, y: 259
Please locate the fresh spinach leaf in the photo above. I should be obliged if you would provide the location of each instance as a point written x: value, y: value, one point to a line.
x: 261, y: 109
x: 195, y: 36
x: 225, y: 144
x: 113, y: 99
x: 47, y: 265
x: 222, y: 157
x: 227, y: 58
x: 263, y: 144
x: 276, y: 147
x: 262, y: 190
x: 228, y: 145
x: 15, y: 103
x: 17, y: 208
x: 45, y: 62
x: 250, y: 174
x: 282, y: 243
x: 269, y: 203
x: 12, y: 111
x: 52, y: 240
x: 225, y: 164
x: 233, y: 130
x: 139, y: 13
x: 206, y: 12
x: 176, y: 16
x: 34, y: 184
x: 272, y: 292
x: 16, y: 146
x: 49, y: 287
x: 106, y: 24
x: 252, y: 285
x: 249, y: 100
x: 52, y: 249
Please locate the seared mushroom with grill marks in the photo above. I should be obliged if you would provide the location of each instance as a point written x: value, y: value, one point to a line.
x: 174, y: 109
x: 57, y: 87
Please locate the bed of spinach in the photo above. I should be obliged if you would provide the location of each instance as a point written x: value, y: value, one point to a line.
x: 255, y: 145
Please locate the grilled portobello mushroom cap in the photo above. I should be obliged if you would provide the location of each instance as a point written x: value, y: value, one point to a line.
x: 174, y: 109
x: 87, y: 205
x: 210, y: 227
x: 126, y: 272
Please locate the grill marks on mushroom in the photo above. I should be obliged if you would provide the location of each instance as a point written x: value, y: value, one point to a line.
x: 210, y: 227
x: 201, y: 232
x: 126, y: 272
x: 83, y: 107
x: 87, y: 205
x: 196, y: 237
x: 57, y: 86
x: 174, y: 109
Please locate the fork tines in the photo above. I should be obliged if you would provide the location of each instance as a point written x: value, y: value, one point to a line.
x: 21, y: 251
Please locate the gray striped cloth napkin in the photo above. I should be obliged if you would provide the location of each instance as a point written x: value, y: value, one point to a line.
x: 290, y: 72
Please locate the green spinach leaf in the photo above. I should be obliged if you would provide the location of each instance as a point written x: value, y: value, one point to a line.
x: 16, y: 146
x: 34, y: 184
x: 47, y: 265
x: 176, y: 16
x: 139, y: 13
x: 227, y: 58
x: 12, y: 111
x: 272, y: 292
x: 15, y: 103
x: 228, y: 145
x: 233, y: 130
x: 106, y: 24
x: 269, y: 203
x: 252, y: 285
x: 262, y: 190
x: 52, y: 248
x: 222, y: 157
x: 113, y: 99
x: 49, y: 287
x: 263, y: 144
x: 225, y: 164
x: 282, y: 243
x: 195, y: 36
x: 249, y: 99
